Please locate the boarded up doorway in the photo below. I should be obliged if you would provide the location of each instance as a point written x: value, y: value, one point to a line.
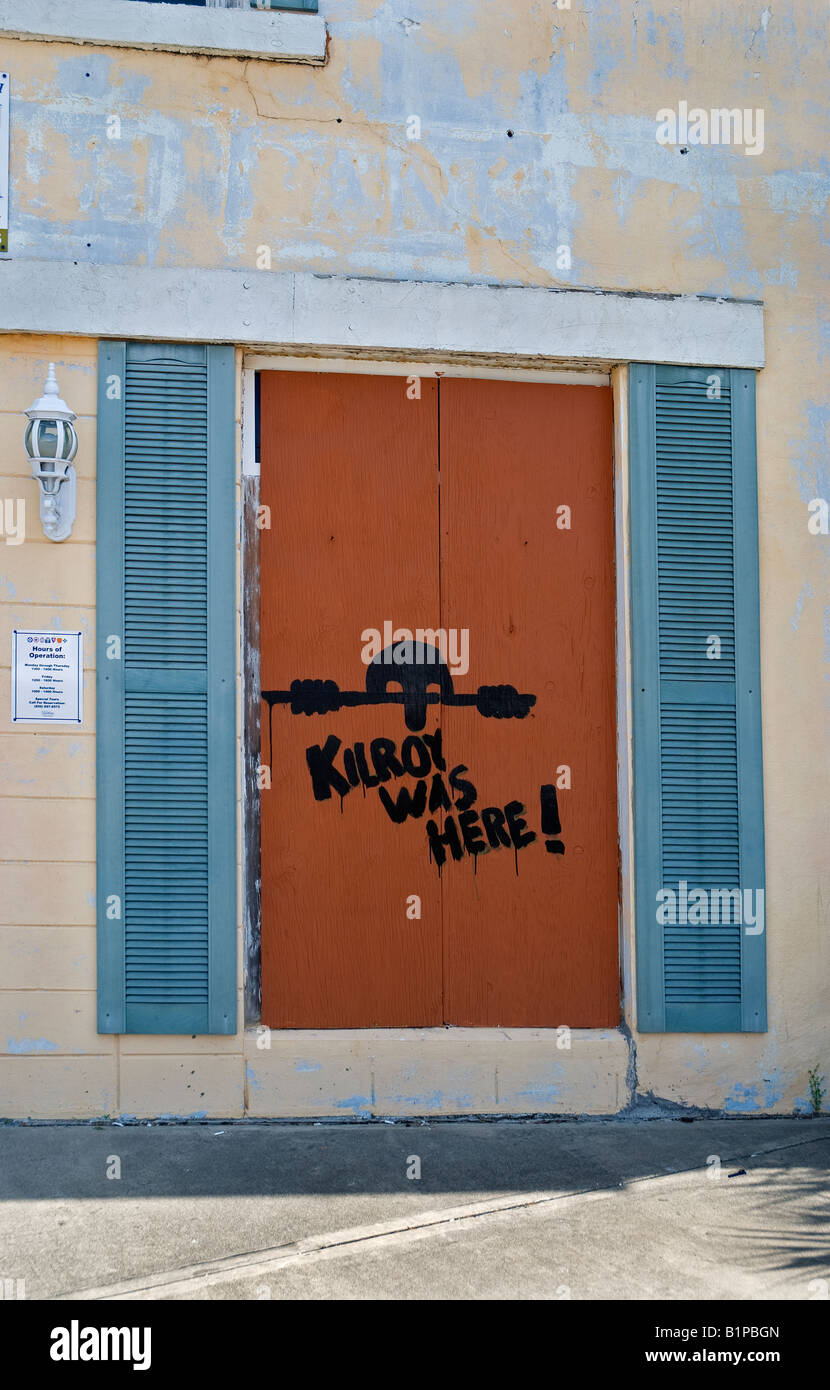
x: 439, y: 839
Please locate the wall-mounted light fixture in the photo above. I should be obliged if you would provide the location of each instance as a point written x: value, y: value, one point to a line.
x: 51, y: 443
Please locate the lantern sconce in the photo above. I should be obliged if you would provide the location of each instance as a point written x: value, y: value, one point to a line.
x: 51, y: 444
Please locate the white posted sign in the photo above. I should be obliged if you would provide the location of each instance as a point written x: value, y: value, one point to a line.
x: 47, y: 677
x: 4, y: 161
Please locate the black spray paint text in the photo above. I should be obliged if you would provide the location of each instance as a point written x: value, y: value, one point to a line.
x: 465, y: 830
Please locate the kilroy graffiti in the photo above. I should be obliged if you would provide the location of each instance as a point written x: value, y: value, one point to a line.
x: 424, y: 679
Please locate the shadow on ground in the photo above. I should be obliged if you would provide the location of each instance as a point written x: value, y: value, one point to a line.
x: 628, y: 1210
x: 212, y: 1160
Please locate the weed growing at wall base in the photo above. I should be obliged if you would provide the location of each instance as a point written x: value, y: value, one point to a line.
x: 817, y: 1089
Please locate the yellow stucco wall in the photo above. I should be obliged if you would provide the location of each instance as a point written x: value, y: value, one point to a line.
x: 51, y: 1053
x: 217, y: 158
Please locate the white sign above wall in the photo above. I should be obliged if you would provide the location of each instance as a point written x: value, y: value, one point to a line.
x: 4, y: 161
x: 47, y: 677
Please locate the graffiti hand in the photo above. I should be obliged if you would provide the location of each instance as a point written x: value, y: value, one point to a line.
x: 314, y: 697
x: 503, y: 702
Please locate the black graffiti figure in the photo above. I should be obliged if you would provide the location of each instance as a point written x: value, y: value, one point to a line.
x: 415, y: 667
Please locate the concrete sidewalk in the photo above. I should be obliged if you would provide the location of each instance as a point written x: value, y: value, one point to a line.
x: 502, y: 1209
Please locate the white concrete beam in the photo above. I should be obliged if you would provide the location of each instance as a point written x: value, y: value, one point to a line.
x: 284, y: 36
x: 283, y: 310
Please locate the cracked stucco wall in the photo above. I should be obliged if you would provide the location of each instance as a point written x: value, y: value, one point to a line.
x: 537, y: 131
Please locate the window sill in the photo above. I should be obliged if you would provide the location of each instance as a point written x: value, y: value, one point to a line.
x: 277, y: 36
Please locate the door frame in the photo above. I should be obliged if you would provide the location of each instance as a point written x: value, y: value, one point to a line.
x: 249, y: 580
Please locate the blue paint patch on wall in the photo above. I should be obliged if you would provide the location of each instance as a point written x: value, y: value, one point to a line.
x: 544, y: 1095
x: 803, y: 1105
x: 807, y: 592
x: 435, y: 1100
x: 606, y: 44
x: 359, y: 1105
x: 785, y: 273
x: 671, y: 32
x: 724, y: 223
x: 112, y: 241
x: 745, y: 1100
x: 243, y: 157
x: 98, y: 75
x: 811, y: 454
x: 27, y: 1046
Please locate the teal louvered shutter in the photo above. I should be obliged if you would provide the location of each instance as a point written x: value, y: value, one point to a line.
x: 698, y: 790
x: 166, y: 721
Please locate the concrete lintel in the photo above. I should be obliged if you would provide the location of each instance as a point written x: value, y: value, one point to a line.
x: 282, y: 36
x: 288, y: 309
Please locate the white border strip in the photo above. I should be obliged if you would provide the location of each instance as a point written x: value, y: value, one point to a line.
x: 250, y: 462
x: 281, y: 36
x: 302, y: 310
x: 366, y: 366
x: 625, y: 770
